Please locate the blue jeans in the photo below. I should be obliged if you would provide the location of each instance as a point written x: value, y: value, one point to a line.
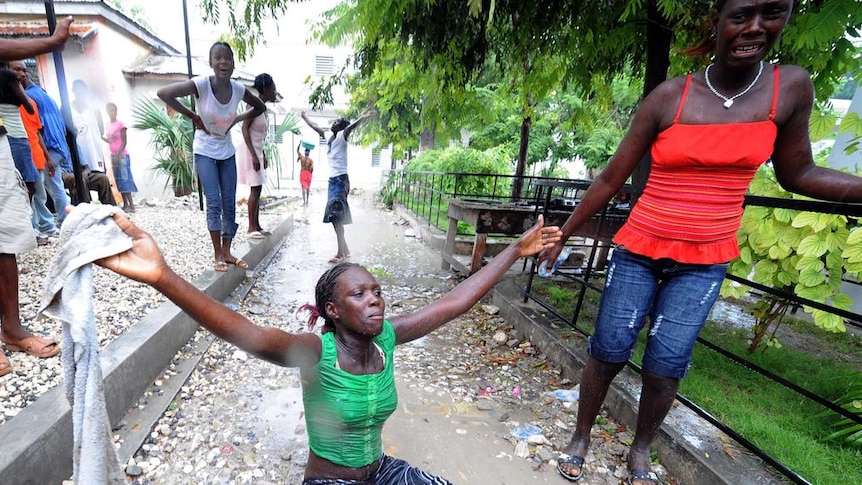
x: 218, y: 181
x: 676, y: 296
x: 42, y: 218
x: 23, y: 158
x: 54, y: 185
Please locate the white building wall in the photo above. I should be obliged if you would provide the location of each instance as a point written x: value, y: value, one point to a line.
x: 289, y: 56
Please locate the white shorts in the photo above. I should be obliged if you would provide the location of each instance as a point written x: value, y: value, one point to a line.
x: 16, y: 230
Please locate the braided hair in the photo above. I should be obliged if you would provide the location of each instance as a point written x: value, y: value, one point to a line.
x: 324, y: 292
x: 262, y: 82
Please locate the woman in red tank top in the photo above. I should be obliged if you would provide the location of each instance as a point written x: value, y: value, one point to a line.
x: 706, y: 133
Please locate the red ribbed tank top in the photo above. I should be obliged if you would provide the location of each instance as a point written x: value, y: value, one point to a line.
x: 691, y: 206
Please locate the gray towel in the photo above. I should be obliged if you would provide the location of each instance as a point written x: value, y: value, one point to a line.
x: 89, y: 233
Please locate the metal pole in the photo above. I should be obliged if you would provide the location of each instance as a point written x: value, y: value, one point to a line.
x: 191, y: 74
x: 65, y: 108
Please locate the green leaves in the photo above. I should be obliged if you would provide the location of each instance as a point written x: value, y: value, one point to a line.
x: 803, y: 252
x: 821, y: 124
x: 813, y: 245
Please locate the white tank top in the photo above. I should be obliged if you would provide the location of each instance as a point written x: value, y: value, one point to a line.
x: 217, y: 117
x: 337, y: 155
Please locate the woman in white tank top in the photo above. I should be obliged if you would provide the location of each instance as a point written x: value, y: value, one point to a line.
x: 218, y: 98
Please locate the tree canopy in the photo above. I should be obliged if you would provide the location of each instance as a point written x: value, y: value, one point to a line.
x: 422, y: 62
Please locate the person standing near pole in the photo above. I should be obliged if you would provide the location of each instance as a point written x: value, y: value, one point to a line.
x: 337, y: 211
x: 54, y: 136
x: 16, y: 235
x: 217, y: 99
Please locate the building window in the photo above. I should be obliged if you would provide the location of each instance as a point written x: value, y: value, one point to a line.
x: 375, y: 157
x: 324, y: 66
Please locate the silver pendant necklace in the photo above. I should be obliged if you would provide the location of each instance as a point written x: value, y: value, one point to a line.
x: 728, y: 101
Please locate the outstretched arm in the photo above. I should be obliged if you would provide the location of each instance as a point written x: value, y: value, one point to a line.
x: 320, y: 131
x: 144, y: 263
x: 644, y: 129
x: 14, y: 49
x: 367, y: 114
x: 468, y: 293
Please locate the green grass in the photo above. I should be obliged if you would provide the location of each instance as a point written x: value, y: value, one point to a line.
x: 776, y: 419
x: 782, y: 423
x: 380, y: 273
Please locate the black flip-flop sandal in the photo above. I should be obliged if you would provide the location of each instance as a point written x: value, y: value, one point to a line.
x: 566, y: 459
x: 642, y: 475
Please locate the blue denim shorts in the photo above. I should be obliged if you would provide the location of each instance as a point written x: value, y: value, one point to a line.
x: 677, y: 297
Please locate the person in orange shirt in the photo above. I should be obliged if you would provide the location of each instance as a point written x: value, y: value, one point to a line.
x: 14, y: 239
x: 42, y: 218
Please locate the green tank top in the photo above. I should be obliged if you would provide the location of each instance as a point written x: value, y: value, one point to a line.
x: 344, y: 413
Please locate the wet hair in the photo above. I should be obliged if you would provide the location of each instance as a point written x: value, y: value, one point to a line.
x: 262, y: 82
x: 324, y: 292
x: 220, y: 44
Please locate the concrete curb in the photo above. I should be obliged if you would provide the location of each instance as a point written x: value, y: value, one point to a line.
x: 36, y: 445
x: 690, y: 448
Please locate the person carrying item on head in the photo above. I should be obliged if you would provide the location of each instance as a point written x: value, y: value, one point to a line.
x: 306, y: 165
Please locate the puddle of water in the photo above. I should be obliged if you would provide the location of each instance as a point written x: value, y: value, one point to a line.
x: 281, y: 410
x: 731, y: 314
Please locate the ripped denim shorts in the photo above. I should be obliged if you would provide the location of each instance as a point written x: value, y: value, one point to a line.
x: 677, y: 297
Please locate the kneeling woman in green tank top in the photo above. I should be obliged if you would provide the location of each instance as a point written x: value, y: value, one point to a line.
x: 347, y: 371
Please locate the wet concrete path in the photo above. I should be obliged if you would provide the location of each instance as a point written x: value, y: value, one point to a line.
x: 240, y: 420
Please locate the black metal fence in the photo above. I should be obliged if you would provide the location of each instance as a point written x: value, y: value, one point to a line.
x: 425, y: 194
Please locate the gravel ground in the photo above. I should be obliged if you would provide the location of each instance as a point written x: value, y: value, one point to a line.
x: 238, y: 420
x: 179, y: 229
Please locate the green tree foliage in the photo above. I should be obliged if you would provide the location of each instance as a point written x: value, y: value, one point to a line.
x: 171, y: 139
x: 804, y: 253
x: 539, y: 46
x: 459, y: 160
x: 244, y: 19
x: 572, y: 123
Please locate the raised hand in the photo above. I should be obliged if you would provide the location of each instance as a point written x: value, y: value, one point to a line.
x: 538, y: 238
x: 61, y: 33
x: 143, y: 262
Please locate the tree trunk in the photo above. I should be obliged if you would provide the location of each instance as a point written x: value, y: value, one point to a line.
x: 518, y: 182
x: 426, y: 139
x: 659, y: 38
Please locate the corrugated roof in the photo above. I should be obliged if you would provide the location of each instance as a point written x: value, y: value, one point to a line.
x: 161, y: 65
x: 12, y: 29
